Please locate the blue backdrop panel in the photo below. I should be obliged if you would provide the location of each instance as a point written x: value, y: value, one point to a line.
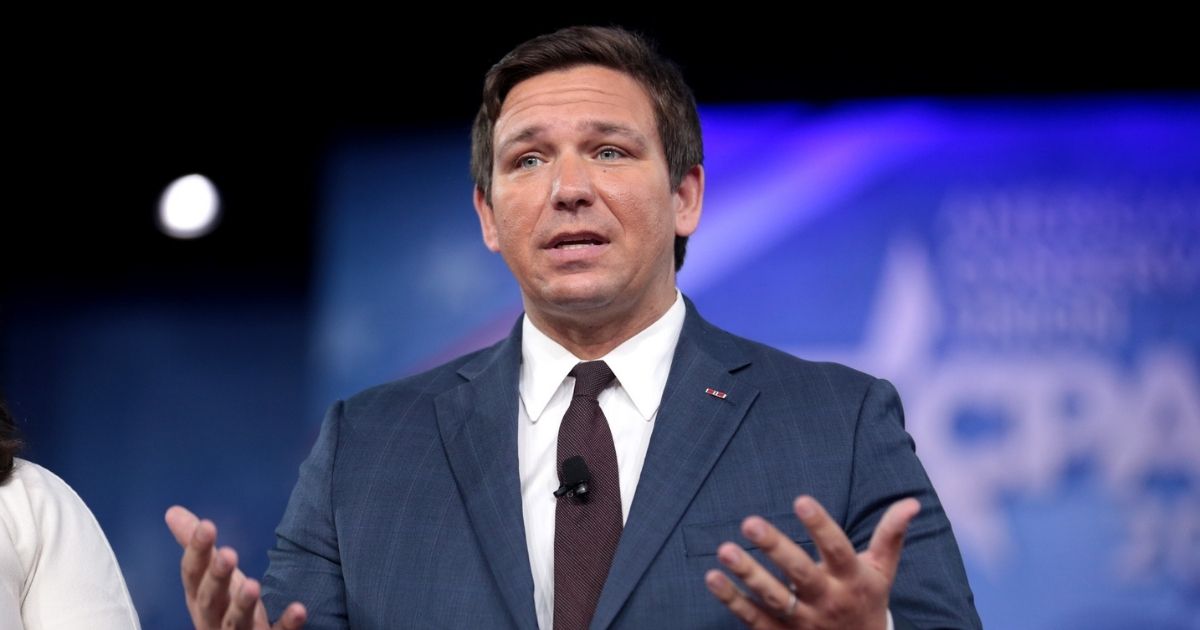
x: 1028, y: 274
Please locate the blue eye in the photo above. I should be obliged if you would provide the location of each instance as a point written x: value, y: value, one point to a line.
x: 529, y: 161
x: 609, y: 154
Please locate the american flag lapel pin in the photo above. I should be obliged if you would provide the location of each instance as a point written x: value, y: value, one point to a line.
x: 715, y: 392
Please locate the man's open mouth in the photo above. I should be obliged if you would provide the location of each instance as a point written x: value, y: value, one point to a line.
x: 576, y: 241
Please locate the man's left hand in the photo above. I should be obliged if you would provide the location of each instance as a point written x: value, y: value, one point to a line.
x: 844, y: 590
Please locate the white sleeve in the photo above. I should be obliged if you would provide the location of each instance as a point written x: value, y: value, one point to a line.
x: 70, y: 575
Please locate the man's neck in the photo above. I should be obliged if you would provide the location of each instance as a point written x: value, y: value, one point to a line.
x: 591, y: 336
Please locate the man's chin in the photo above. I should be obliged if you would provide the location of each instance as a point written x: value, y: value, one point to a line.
x: 576, y: 297
x: 578, y: 301
x: 590, y: 298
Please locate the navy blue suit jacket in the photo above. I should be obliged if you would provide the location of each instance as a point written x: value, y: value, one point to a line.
x: 407, y: 513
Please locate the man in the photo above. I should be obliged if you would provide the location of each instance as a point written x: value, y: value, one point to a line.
x: 586, y: 469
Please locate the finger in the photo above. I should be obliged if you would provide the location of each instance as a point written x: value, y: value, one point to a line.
x: 293, y: 618
x: 213, y: 594
x: 888, y: 539
x: 836, y: 551
x: 774, y: 595
x: 808, y: 579
x: 197, y: 556
x: 240, y: 615
x: 737, y: 602
x: 181, y: 522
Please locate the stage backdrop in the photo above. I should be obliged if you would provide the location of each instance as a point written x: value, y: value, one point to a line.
x: 1026, y: 272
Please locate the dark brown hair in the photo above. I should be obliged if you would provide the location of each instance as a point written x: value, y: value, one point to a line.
x: 615, y: 48
x: 9, y: 444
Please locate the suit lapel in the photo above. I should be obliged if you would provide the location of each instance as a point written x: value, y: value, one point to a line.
x: 478, y: 425
x: 692, y: 430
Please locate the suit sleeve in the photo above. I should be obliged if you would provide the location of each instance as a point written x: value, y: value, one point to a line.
x: 931, y: 589
x: 305, y: 565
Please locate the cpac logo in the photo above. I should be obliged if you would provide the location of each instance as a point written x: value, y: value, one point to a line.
x: 990, y: 425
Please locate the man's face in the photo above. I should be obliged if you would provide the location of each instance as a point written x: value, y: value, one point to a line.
x: 582, y: 208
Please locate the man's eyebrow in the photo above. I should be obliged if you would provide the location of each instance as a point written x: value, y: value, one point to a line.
x: 524, y: 135
x: 606, y: 128
x: 600, y: 127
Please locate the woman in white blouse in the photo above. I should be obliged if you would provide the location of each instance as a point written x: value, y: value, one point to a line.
x: 57, y: 570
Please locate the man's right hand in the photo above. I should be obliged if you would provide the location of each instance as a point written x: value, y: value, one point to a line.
x: 218, y: 594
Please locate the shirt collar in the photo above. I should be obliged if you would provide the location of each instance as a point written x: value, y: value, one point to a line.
x: 641, y: 364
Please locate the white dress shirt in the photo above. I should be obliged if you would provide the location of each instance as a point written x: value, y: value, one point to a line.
x: 641, y: 365
x: 630, y: 405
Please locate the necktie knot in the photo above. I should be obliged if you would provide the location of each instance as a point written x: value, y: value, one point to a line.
x: 591, y: 377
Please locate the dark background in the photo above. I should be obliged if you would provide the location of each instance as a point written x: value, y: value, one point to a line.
x: 107, y: 114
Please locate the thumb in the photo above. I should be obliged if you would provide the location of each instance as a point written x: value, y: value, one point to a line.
x: 182, y: 523
x: 292, y: 619
x: 888, y: 539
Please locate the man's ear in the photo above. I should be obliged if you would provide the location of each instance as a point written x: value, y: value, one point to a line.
x: 487, y: 220
x: 689, y: 201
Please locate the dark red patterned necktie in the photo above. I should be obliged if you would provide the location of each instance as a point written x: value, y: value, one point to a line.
x: 588, y: 527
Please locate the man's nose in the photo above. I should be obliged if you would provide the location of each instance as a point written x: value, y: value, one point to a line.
x: 572, y: 184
